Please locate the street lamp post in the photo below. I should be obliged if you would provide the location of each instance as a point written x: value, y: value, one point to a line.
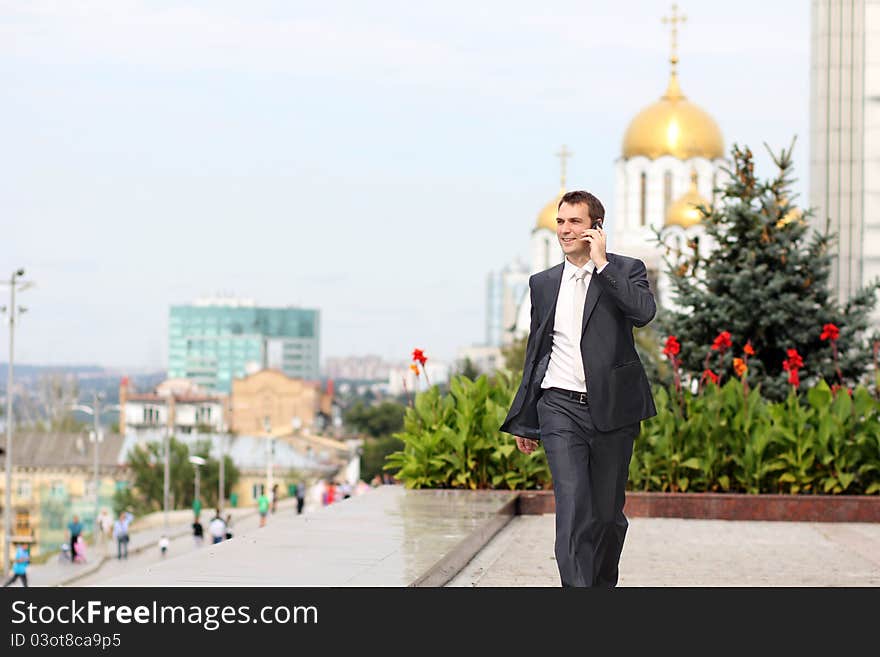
x: 166, y: 479
x: 96, y: 436
x: 14, y: 284
x: 221, y: 492
x: 198, y: 462
x: 267, y: 426
x: 166, y: 476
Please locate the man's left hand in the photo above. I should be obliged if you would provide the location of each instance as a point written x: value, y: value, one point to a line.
x: 596, y: 238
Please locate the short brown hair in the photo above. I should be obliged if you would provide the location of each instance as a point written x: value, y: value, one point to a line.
x: 594, y: 205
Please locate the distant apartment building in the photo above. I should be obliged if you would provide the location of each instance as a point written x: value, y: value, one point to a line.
x: 53, y: 479
x: 485, y: 359
x: 504, y: 290
x: 358, y: 368
x: 213, y: 341
x: 270, y: 403
x: 845, y: 139
x: 177, y: 404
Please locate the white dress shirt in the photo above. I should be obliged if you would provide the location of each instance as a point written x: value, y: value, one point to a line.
x: 567, y: 345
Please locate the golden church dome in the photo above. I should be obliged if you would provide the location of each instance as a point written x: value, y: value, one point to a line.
x: 794, y: 214
x: 684, y: 211
x: 547, y: 216
x: 673, y: 126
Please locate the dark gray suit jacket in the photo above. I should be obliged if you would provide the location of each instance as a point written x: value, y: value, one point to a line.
x: 618, y: 391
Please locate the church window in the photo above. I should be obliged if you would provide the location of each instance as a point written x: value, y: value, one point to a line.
x: 667, y: 191
x: 643, y: 194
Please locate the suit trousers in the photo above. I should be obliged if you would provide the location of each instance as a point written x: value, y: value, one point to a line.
x: 590, y: 469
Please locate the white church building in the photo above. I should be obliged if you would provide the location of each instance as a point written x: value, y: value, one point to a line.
x: 672, y: 159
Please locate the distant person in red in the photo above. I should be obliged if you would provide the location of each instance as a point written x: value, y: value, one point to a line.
x: 329, y: 493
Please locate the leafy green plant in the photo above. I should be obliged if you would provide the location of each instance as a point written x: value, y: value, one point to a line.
x: 725, y: 438
x: 452, y: 440
x: 731, y: 439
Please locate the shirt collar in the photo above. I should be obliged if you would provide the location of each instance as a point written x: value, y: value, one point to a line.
x: 571, y: 269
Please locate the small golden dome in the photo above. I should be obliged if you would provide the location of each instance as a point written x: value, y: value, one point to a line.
x: 673, y: 126
x: 547, y: 216
x: 794, y: 214
x: 684, y: 211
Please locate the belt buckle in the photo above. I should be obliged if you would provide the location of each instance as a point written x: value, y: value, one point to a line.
x: 582, y: 398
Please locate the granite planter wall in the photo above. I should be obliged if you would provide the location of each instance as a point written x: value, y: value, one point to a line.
x: 731, y: 506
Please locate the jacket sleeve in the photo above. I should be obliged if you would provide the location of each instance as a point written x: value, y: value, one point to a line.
x: 630, y: 291
x: 534, y: 321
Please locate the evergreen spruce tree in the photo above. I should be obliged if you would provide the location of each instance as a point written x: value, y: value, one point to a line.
x: 765, y: 280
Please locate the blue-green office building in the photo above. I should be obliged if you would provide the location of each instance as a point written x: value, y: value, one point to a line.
x: 213, y: 342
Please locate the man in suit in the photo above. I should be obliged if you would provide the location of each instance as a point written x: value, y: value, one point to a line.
x: 584, y: 391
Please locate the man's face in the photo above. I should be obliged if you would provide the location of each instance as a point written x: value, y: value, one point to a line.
x: 571, y: 222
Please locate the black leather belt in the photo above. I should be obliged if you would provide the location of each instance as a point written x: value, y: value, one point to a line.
x: 573, y: 395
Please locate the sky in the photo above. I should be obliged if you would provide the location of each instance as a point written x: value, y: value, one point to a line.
x: 373, y: 160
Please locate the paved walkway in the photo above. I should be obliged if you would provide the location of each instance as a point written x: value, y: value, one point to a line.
x: 675, y: 552
x: 57, y: 573
x: 389, y: 536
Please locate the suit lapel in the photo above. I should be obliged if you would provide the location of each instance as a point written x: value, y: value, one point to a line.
x: 552, y: 282
x: 593, y: 294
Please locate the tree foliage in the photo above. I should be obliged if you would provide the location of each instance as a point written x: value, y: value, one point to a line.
x: 376, y: 421
x: 148, y: 467
x: 515, y: 354
x: 765, y: 280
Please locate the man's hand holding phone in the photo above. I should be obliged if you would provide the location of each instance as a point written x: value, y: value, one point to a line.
x: 597, y: 240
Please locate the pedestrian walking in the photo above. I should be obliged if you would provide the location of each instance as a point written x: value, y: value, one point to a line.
x: 198, y: 532
x: 274, y: 497
x: 163, y: 545
x: 80, y: 550
x: 105, y: 529
x: 75, y: 529
x: 120, y: 533
x: 300, y: 497
x: 228, y: 526
x: 20, y: 565
x: 584, y: 391
x: 263, y: 508
x: 217, y: 528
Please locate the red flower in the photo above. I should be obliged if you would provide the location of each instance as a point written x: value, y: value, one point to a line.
x: 749, y: 349
x: 794, y: 360
x: 709, y: 374
x: 419, y: 356
x: 791, y: 365
x: 837, y: 387
x: 722, y: 342
x: 830, y: 332
x: 672, y: 347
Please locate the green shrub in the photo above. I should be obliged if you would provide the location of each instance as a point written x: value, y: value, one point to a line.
x: 452, y: 440
x: 722, y: 439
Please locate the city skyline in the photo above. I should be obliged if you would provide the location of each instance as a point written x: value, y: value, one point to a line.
x: 375, y: 164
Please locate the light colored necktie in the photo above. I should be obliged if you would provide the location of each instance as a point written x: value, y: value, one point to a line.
x: 578, y: 301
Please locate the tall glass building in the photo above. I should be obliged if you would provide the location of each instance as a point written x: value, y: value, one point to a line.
x: 211, y: 342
